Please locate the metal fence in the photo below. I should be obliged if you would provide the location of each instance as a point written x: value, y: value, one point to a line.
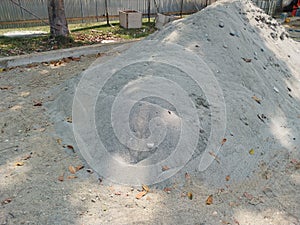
x: 32, y: 11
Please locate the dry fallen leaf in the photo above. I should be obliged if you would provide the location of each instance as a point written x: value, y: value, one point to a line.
x: 19, y: 163
x: 59, y: 141
x: 31, y: 65
x: 209, y: 200
x: 167, y: 189
x: 140, y: 194
x: 72, y: 169
x: 145, y: 188
x: 56, y: 63
x: 256, y: 99
x: 164, y: 168
x: 61, y: 178
x: 227, y: 178
x: 190, y: 195
x: 223, y: 141
x: 79, y: 167
x: 76, y: 59
x: 16, y: 107
x: 25, y: 94
x: 70, y: 147
x: 294, y: 161
x: 251, y: 152
x: 37, y: 103
x: 67, y: 60
x: 7, y: 87
x: 6, y: 201
x: 248, y: 196
x: 72, y: 177
x: 187, y: 176
x: 246, y: 59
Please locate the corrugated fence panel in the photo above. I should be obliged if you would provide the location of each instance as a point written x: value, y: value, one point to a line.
x: 91, y: 8
x: 9, y: 11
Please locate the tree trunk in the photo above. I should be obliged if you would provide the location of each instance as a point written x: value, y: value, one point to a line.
x: 57, y: 18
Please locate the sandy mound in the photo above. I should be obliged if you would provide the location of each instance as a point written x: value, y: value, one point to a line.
x: 229, y: 71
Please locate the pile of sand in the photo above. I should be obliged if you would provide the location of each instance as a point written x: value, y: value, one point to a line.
x: 164, y: 105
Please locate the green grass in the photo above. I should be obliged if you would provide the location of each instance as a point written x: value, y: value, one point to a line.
x: 81, y: 34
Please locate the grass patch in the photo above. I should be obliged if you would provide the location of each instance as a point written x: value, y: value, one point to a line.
x: 81, y: 34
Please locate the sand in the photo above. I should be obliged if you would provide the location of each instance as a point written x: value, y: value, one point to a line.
x: 205, y: 71
x: 207, y: 105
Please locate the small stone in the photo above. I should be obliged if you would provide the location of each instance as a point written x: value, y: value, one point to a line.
x: 150, y: 145
x: 273, y: 35
x: 215, y: 213
x: 231, y: 32
x: 221, y: 24
x: 24, y: 94
x: 275, y: 89
x: 287, y: 35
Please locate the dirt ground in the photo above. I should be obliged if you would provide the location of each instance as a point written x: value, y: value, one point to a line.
x: 39, y: 187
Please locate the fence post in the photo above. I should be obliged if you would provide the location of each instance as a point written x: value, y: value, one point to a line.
x: 81, y: 8
x: 97, y: 11
x: 181, y: 8
x: 106, y: 12
x: 149, y: 8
